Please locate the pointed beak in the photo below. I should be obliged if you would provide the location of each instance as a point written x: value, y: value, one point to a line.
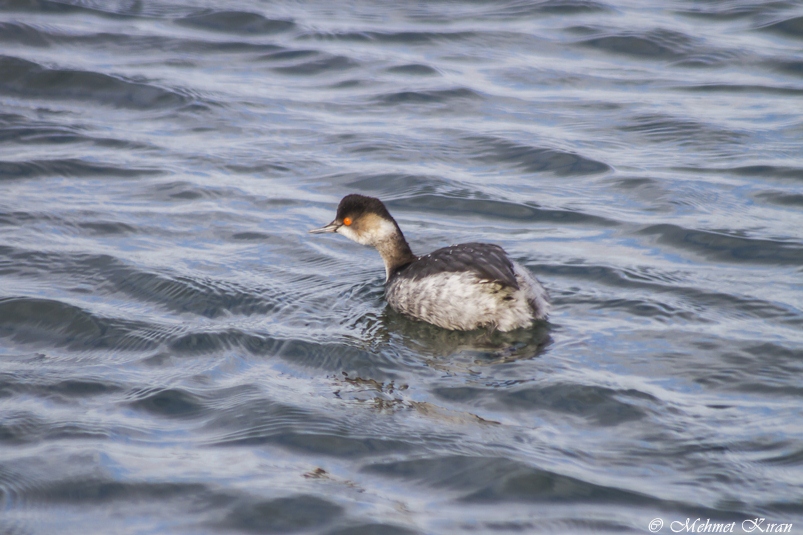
x: 331, y: 227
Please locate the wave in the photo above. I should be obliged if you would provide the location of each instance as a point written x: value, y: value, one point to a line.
x: 451, y: 204
x: 758, y: 172
x: 71, y: 168
x: 725, y: 247
x: 40, y: 321
x: 661, y: 128
x: 322, y: 64
x: 435, y: 96
x: 236, y: 22
x: 658, y: 44
x: 23, y: 78
x: 499, y: 151
x: 598, y: 405
x: 789, y: 27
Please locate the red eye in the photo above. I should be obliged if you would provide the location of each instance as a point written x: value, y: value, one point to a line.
x: 347, y: 221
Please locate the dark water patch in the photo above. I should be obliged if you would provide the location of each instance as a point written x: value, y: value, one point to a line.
x: 55, y: 135
x: 62, y: 390
x: 493, y: 480
x: 643, y: 308
x: 13, y: 119
x: 262, y: 169
x: 552, y: 7
x: 107, y: 228
x: 382, y: 148
x: 334, y: 357
x: 183, y: 404
x: 46, y: 321
x: 96, y: 491
x: 352, y: 83
x: 496, y: 151
x: 616, y: 277
x: 560, y: 525
x: 385, y: 184
x: 26, y: 263
x: 442, y: 96
x: 22, y: 427
x: 217, y: 47
x: 629, y: 183
x: 22, y: 34
x: 758, y: 367
x: 661, y: 44
x: 526, y: 484
x: 598, y: 405
x: 664, y: 287
x: 290, y: 55
x: 790, y: 27
x: 759, y: 172
x: 326, y: 444
x: 251, y: 236
x: 724, y: 11
x: 158, y: 45
x: 742, y: 88
x: 405, y: 37
x: 182, y: 191
x: 22, y: 78
x: 496, y: 209
x: 793, y: 67
x: 326, y: 64
x: 258, y: 422
x: 651, y: 194
x: 82, y: 388
x: 661, y: 128
x: 198, y: 343
x: 782, y: 199
x: 707, y: 59
x: 236, y: 22
x: 201, y: 296
x: 207, y: 297
x: 413, y: 69
x: 793, y: 458
x: 59, y: 8
x: 69, y: 168
x: 755, y: 369
x: 13, y: 219
x: 282, y: 515
x: 734, y: 305
x: 372, y: 529
x: 722, y: 247
x: 171, y: 403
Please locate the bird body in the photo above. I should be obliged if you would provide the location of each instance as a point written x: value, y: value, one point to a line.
x: 460, y: 287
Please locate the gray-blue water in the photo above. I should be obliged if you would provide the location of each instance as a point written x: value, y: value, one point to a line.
x: 178, y: 355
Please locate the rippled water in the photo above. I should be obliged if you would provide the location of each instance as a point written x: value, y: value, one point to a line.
x: 178, y: 355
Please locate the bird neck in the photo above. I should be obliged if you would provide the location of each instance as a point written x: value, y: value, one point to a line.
x: 395, y: 252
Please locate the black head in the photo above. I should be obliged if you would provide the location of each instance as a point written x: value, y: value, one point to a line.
x: 367, y: 221
x: 353, y: 206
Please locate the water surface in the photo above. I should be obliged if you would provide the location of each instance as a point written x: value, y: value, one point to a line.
x: 178, y: 355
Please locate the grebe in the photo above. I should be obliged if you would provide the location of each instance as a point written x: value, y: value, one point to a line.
x: 460, y: 287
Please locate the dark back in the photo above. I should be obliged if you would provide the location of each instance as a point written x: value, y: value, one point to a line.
x: 488, y: 261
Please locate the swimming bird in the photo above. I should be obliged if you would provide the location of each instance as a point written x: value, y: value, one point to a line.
x: 460, y: 287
